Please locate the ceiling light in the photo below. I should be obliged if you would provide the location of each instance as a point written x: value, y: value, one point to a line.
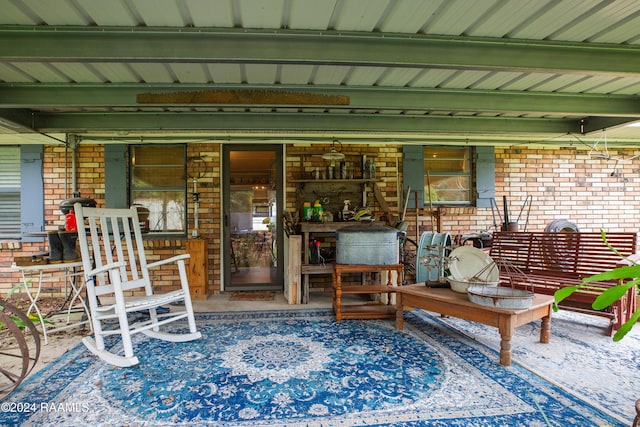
x: 334, y: 154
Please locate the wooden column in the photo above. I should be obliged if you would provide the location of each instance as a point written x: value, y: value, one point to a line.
x: 293, y: 285
x: 198, y: 268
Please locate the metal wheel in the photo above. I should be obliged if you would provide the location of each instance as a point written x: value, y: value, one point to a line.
x: 408, y: 251
x: 19, y: 347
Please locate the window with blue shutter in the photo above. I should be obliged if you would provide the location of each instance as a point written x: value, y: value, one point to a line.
x: 448, y: 172
x: 21, y: 193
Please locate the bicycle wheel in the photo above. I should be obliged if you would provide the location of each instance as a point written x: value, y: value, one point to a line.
x: 19, y: 348
x: 408, y: 251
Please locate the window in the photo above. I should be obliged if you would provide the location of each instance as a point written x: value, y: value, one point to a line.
x: 158, y: 183
x: 9, y: 192
x: 448, y: 175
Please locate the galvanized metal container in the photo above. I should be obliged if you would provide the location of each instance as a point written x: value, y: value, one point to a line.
x: 367, y: 244
x: 500, y: 297
x: 461, y: 286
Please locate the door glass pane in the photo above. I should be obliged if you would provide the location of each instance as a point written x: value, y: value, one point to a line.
x: 252, y: 219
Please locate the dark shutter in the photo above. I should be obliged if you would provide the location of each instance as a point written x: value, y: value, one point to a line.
x: 413, y: 172
x: 31, y: 193
x: 115, y: 176
x: 485, y: 176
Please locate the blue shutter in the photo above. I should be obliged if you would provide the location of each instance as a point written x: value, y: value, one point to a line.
x: 485, y: 176
x: 413, y: 173
x: 115, y: 176
x: 31, y: 192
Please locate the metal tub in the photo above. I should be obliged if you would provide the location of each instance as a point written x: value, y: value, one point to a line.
x: 367, y: 244
x: 500, y: 297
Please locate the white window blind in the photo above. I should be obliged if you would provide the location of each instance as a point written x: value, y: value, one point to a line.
x: 9, y: 192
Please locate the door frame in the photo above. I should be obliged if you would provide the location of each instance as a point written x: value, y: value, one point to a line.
x: 227, y: 265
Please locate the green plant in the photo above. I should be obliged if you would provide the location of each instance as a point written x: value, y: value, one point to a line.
x: 268, y: 223
x: 32, y: 316
x: 21, y: 324
x: 628, y: 277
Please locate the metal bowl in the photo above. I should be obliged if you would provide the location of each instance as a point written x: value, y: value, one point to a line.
x: 462, y: 285
x: 500, y: 297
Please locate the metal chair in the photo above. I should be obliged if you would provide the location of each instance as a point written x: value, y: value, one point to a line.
x: 119, y: 284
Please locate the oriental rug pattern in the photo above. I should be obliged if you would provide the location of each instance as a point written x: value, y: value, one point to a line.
x: 300, y: 368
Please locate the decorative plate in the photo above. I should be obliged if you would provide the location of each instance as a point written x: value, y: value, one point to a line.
x: 466, y: 262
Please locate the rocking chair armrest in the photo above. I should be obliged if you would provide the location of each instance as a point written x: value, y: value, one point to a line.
x: 168, y: 260
x: 106, y: 267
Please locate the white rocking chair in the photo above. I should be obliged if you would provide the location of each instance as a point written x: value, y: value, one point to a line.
x: 115, y: 268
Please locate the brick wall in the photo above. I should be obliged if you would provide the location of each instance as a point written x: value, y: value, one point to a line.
x: 547, y: 184
x: 562, y: 183
x: 209, y: 209
x: 90, y: 182
x: 568, y: 183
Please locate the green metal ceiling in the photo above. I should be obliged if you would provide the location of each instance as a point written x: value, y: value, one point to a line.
x: 62, y: 71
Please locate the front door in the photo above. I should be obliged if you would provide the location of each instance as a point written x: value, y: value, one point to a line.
x: 252, y: 206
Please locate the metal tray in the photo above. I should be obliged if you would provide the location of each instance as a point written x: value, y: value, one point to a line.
x: 500, y: 297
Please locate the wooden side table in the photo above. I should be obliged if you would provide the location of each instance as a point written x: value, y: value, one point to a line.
x: 364, y: 311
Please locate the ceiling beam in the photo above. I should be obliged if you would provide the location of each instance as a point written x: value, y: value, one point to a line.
x: 16, y: 120
x: 598, y: 124
x: 249, y: 121
x: 374, y: 98
x: 81, y: 44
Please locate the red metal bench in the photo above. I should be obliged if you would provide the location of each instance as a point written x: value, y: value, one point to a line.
x: 545, y: 262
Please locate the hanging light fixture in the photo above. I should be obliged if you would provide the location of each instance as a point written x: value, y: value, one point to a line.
x: 333, y: 155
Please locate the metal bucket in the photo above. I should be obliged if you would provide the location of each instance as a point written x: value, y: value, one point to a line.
x: 432, y: 250
x: 500, y: 297
x: 367, y: 244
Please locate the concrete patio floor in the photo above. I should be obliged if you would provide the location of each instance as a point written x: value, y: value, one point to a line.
x: 222, y: 302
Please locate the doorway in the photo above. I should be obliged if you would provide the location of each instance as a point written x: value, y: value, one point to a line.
x: 252, y: 204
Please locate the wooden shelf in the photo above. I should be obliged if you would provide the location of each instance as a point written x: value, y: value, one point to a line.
x: 325, y: 181
x: 308, y: 228
x: 368, y: 311
x: 367, y: 289
x: 325, y: 227
x: 356, y: 191
x: 326, y: 268
x: 364, y: 311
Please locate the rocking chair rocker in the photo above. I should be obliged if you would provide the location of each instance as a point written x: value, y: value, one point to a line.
x: 119, y: 284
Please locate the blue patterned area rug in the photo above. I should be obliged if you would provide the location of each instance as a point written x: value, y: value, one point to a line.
x: 300, y: 368
x: 580, y: 357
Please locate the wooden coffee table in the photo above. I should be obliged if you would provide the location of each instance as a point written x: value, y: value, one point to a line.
x: 450, y: 303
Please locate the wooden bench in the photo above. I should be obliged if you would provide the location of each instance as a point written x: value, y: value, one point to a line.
x: 545, y: 262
